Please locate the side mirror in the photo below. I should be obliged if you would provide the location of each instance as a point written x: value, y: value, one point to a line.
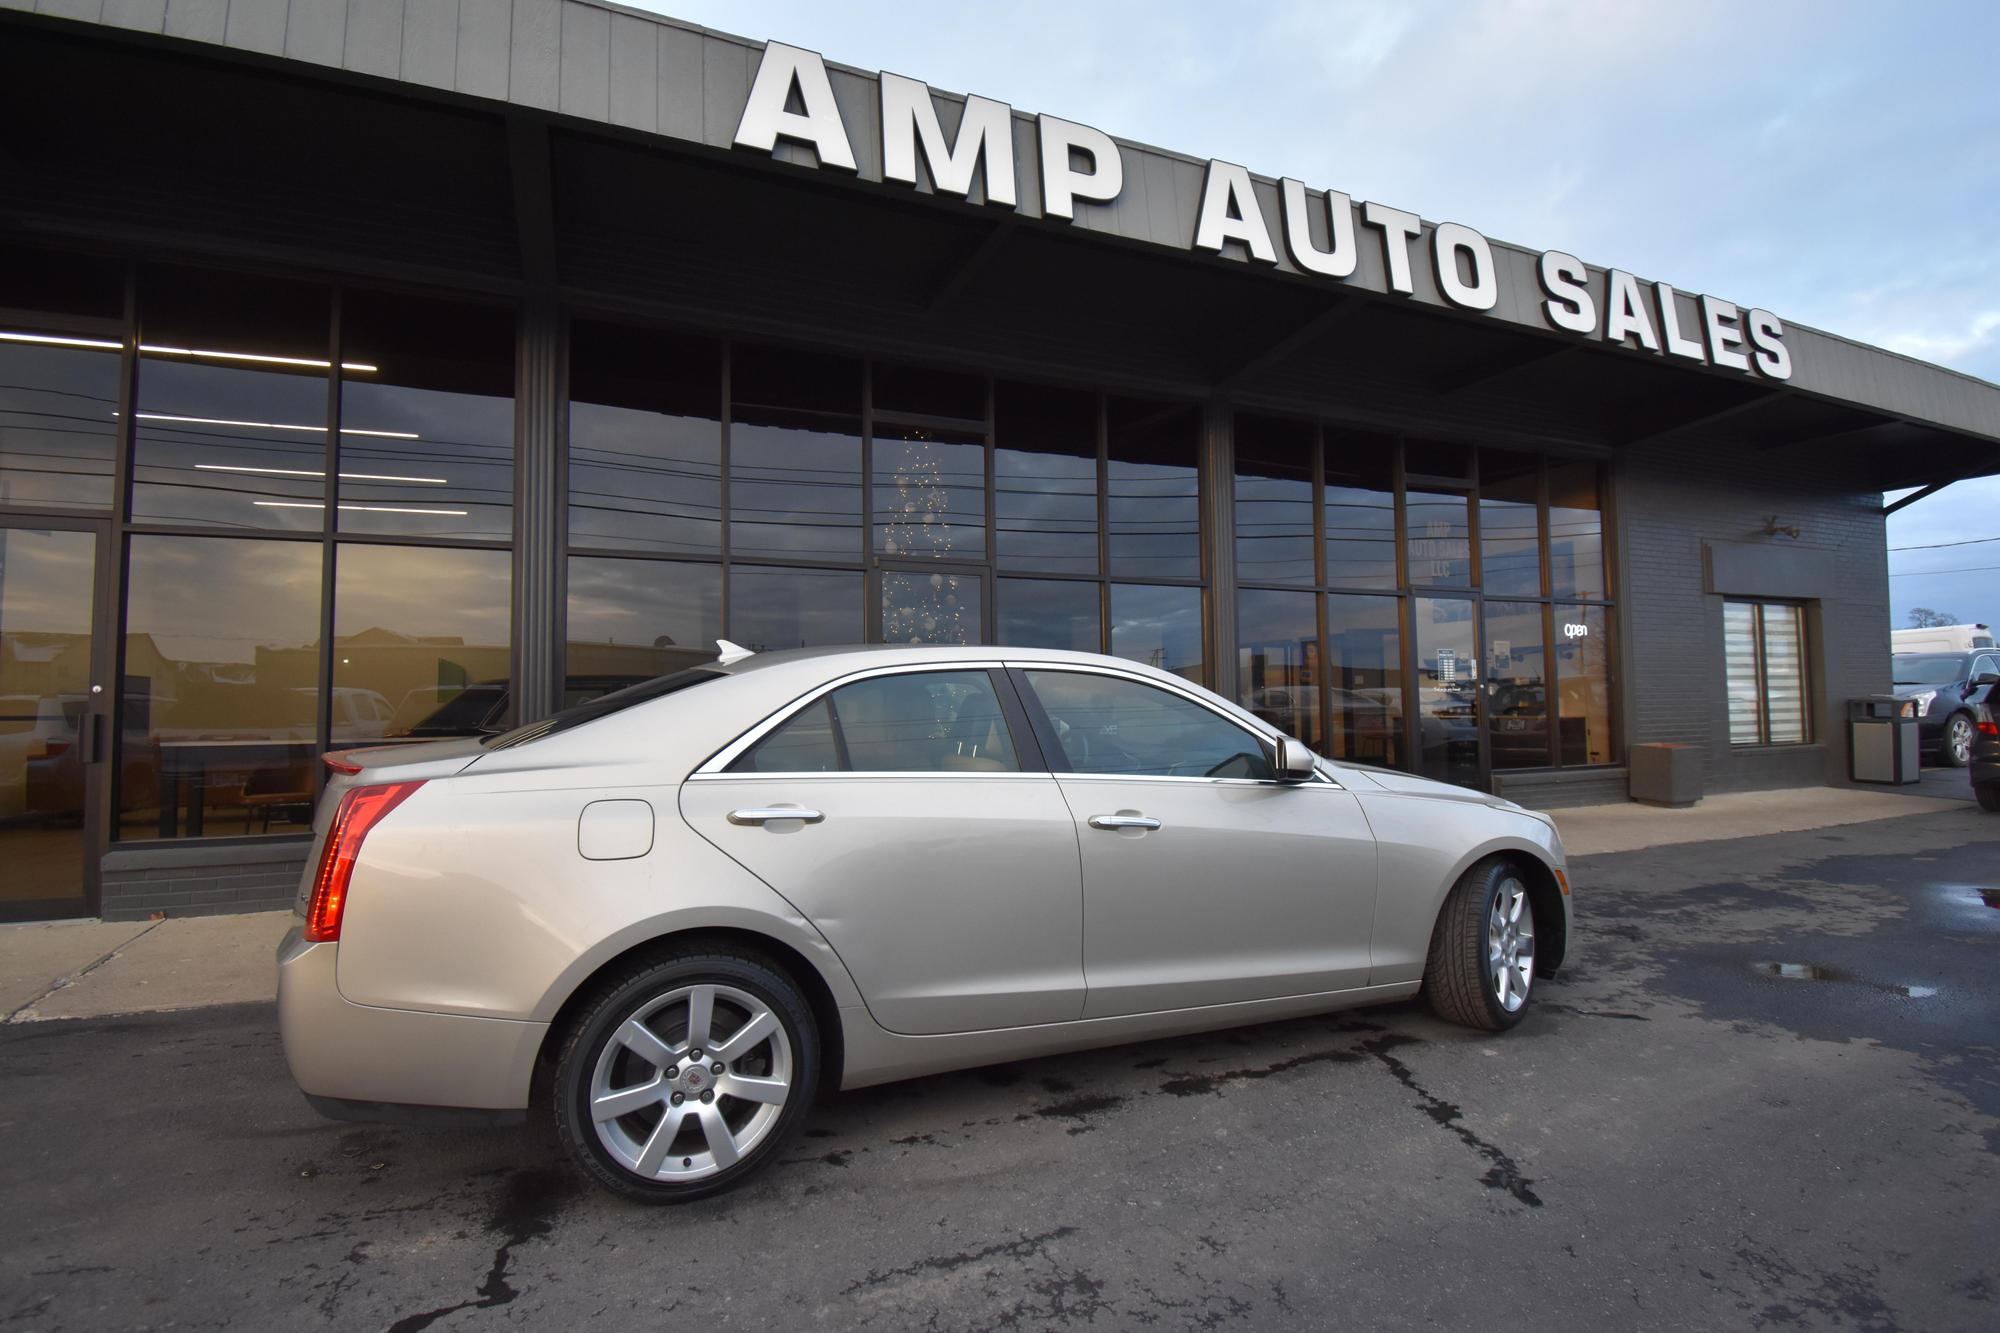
x: 1987, y: 678
x: 1295, y: 761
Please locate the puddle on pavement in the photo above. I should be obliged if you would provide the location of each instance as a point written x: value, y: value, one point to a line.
x: 1817, y: 972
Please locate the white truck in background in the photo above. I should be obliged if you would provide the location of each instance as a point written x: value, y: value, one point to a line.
x: 1941, y: 639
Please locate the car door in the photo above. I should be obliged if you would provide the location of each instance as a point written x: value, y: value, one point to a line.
x: 1205, y: 880
x: 931, y: 846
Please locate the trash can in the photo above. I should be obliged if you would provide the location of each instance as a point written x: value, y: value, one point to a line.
x: 1882, y: 739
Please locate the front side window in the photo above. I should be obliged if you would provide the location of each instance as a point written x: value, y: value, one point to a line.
x: 918, y: 722
x: 1764, y: 656
x: 1109, y: 725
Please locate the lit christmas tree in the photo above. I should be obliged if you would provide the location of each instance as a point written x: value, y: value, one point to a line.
x: 921, y: 608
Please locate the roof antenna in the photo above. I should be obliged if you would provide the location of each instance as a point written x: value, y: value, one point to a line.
x: 732, y: 652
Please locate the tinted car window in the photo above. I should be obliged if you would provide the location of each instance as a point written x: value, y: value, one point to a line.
x: 1930, y: 668
x: 918, y: 722
x: 1107, y: 724
x: 1984, y: 666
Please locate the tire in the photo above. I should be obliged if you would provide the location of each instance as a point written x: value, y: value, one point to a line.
x: 626, y: 1040
x: 1469, y: 942
x: 1955, y: 746
x: 1989, y: 797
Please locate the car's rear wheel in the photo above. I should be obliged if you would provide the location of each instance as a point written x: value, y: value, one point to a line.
x: 1481, y: 968
x: 1956, y: 749
x: 1989, y: 797
x: 686, y: 1076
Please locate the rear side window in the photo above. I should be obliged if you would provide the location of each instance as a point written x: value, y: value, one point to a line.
x: 916, y: 722
x: 1109, y: 725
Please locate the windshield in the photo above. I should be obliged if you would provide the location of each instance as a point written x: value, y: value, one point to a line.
x: 604, y: 705
x: 1930, y: 668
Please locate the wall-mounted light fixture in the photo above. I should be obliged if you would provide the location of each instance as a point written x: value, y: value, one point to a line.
x: 1773, y: 528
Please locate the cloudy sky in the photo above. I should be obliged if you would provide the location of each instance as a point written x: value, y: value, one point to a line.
x: 1836, y: 162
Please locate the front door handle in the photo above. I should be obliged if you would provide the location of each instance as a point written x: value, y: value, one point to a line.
x: 767, y: 814
x: 1123, y: 821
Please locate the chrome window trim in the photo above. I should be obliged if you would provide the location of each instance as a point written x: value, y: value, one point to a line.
x: 717, y: 763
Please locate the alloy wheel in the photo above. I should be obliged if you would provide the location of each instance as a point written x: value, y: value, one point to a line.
x: 691, y: 1083
x: 1510, y: 945
x: 1958, y: 735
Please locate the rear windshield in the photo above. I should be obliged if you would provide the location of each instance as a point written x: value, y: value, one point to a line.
x: 1931, y: 668
x: 604, y: 705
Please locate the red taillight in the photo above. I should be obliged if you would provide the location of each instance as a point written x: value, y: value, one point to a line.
x: 361, y: 808
x: 52, y: 749
x: 1989, y: 729
x: 340, y: 765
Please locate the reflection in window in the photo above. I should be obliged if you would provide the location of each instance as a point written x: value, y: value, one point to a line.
x: 930, y: 493
x: 1510, y: 548
x: 1583, y: 684
x: 1440, y: 537
x: 807, y: 743
x: 1576, y: 531
x: 941, y: 607
x: 1517, y: 685
x: 1364, y: 663
x: 424, y: 630
x: 58, y: 418
x: 645, y: 440
x: 631, y: 620
x: 1158, y: 626
x: 1113, y: 726
x: 232, y: 401
x: 46, y: 596
x: 1447, y: 690
x: 427, y: 435
x: 1277, y: 652
x: 771, y: 608
x: 1045, y: 479
x: 1360, y: 511
x: 1274, y: 500
x: 924, y: 722
x: 1153, y: 503
x: 218, y: 714
x: 795, y: 455
x: 1048, y: 613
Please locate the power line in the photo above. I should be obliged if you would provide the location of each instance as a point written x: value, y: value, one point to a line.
x: 1912, y: 573
x: 1933, y: 546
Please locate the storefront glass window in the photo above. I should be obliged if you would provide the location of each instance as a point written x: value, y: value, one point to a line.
x: 929, y: 493
x: 423, y: 633
x: 1360, y: 506
x: 944, y: 606
x: 219, y: 705
x: 231, y: 416
x: 1440, y: 538
x: 1516, y: 685
x: 1583, y: 684
x: 1277, y: 660
x: 1047, y: 613
x: 645, y: 440
x: 1158, y: 626
x: 1364, y: 668
x: 1153, y: 510
x: 1576, y: 531
x: 773, y: 608
x: 1447, y: 634
x: 795, y: 455
x: 1274, y: 500
x: 1510, y: 545
x: 426, y: 434
x: 58, y: 423
x: 630, y: 620
x: 1045, y: 479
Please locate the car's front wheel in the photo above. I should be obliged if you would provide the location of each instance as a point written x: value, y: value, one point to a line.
x: 1481, y: 968
x: 686, y: 1076
x: 1956, y: 749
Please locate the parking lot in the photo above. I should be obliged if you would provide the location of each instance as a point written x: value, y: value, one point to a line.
x: 1766, y: 1094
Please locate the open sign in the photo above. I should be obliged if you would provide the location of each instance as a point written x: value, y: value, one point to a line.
x: 1575, y: 631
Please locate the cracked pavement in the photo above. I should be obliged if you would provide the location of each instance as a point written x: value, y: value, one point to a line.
x: 1676, y: 1138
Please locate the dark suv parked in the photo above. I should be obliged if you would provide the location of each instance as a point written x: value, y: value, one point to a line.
x: 1942, y: 685
x: 1986, y: 750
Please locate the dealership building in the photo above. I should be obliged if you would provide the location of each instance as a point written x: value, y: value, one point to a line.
x: 377, y: 370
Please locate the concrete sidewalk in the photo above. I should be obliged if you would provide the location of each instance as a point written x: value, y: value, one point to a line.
x: 83, y: 969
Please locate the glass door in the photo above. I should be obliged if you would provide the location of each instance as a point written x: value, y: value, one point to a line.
x: 52, y: 711
x: 1448, y: 691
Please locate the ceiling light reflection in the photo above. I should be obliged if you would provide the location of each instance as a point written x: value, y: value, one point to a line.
x: 154, y: 349
x: 308, y: 472
x: 55, y: 340
x: 275, y: 425
x: 360, y: 509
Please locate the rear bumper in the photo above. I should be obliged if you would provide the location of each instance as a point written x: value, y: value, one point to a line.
x: 398, y: 1059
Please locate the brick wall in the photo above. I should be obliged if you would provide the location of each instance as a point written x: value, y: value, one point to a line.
x: 200, y: 879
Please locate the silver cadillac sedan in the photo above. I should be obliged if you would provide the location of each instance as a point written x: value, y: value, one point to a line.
x: 678, y: 912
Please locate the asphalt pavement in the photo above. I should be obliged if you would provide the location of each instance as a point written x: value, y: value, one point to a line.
x: 1765, y: 1095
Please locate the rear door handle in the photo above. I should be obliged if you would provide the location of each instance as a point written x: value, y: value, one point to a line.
x: 766, y: 814
x: 1123, y: 821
